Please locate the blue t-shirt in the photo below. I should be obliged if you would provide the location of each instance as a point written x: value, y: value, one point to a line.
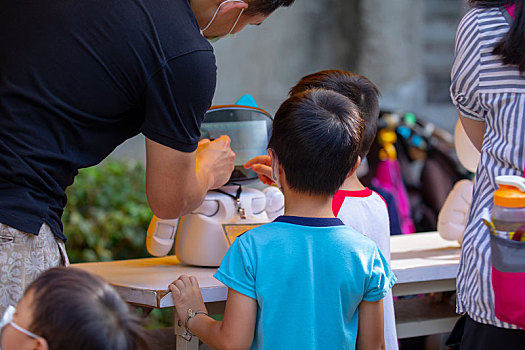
x: 309, y: 276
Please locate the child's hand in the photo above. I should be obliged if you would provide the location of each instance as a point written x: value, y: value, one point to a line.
x: 186, y: 295
x: 262, y: 165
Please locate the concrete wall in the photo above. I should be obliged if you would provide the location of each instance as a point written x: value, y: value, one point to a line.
x: 267, y: 60
x: 377, y: 38
x: 391, y: 54
x: 387, y: 41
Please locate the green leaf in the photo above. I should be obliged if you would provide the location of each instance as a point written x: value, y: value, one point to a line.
x: 107, y: 214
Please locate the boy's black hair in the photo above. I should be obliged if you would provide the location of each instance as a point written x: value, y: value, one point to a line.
x: 265, y: 7
x: 316, y: 136
x: 74, y: 309
x: 361, y: 91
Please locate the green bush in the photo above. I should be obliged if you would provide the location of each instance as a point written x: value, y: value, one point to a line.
x: 106, y: 218
x: 107, y: 213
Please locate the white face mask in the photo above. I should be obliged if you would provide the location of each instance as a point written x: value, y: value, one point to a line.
x: 217, y: 38
x: 275, y: 169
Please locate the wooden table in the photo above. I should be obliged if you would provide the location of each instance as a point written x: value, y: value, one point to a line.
x: 422, y: 262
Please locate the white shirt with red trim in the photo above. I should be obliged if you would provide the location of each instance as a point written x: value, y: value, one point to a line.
x: 367, y: 213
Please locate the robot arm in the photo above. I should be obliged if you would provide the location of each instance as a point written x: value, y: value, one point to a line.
x: 160, y: 236
x: 274, y: 202
x: 161, y: 232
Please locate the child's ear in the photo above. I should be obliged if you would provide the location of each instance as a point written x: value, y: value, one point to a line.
x: 280, y: 169
x: 272, y: 162
x: 270, y: 154
x: 354, y: 169
x: 41, y: 344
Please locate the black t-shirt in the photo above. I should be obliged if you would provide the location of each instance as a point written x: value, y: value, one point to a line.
x: 77, y: 78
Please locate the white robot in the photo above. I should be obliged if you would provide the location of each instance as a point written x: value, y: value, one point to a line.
x: 203, y: 236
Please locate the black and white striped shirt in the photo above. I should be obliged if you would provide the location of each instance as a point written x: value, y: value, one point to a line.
x: 485, y: 89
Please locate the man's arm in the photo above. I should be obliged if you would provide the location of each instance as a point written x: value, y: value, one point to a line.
x: 176, y: 182
x: 237, y: 328
x: 370, y: 334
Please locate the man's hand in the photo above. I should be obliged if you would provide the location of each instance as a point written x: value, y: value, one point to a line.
x: 262, y: 165
x: 215, y: 161
x: 176, y: 182
x: 186, y: 295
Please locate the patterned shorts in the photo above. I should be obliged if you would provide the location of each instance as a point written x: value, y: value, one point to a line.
x: 24, y: 256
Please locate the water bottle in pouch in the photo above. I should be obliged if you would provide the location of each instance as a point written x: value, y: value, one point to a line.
x: 508, y: 213
x: 508, y: 250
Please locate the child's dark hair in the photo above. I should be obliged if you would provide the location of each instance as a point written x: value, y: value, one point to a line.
x: 361, y: 91
x: 316, y: 136
x: 74, y: 309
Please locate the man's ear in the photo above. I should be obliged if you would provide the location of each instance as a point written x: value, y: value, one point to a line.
x: 232, y: 6
x: 354, y: 169
x: 41, y: 344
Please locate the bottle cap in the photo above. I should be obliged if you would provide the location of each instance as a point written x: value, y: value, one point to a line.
x: 511, y: 191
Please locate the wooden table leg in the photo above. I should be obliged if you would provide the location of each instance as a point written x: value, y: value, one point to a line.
x: 142, y: 311
x: 181, y: 343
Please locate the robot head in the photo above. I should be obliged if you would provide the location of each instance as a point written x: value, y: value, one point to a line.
x: 249, y: 128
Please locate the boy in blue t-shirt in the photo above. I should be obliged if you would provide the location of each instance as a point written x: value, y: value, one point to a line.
x: 304, y: 281
x: 356, y: 205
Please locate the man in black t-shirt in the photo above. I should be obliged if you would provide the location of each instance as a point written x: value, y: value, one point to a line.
x: 78, y: 78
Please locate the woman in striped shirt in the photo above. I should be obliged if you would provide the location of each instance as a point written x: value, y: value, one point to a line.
x: 488, y: 89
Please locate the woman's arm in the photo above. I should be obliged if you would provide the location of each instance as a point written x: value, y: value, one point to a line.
x: 370, y: 334
x: 237, y: 328
x: 474, y: 130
